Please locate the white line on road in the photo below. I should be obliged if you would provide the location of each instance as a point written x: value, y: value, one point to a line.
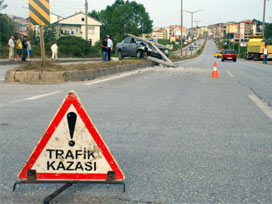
x: 118, y: 76
x: 229, y: 73
x: 262, y: 105
x: 43, y: 95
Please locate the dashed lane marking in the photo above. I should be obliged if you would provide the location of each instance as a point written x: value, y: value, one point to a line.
x: 262, y: 105
x: 117, y: 77
x: 229, y: 73
x: 43, y: 95
x: 29, y: 99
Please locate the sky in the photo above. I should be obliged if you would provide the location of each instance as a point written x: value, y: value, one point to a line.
x: 163, y: 12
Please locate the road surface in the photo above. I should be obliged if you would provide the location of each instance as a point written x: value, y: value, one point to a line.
x: 178, y: 135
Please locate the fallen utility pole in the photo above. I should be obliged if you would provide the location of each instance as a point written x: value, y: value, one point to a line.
x: 167, y: 61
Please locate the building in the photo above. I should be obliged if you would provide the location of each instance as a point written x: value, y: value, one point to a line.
x: 21, y: 25
x: 159, y: 33
x: 54, y: 18
x: 232, y: 30
x: 75, y: 26
x: 245, y: 28
x: 175, y: 31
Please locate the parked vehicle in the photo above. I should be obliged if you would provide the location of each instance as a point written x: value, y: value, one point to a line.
x: 218, y: 54
x: 229, y: 55
x: 255, y: 48
x: 131, y: 47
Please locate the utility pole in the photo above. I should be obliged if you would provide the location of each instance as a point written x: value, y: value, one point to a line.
x: 42, y: 43
x: 86, y: 20
x: 264, y: 16
x: 181, y: 26
x: 192, y: 19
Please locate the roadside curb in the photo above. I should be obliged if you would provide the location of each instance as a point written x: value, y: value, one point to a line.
x: 61, y: 60
x: 65, y: 76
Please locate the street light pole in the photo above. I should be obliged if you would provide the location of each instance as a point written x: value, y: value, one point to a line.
x: 181, y: 26
x: 264, y: 16
x: 86, y: 19
x: 192, y: 19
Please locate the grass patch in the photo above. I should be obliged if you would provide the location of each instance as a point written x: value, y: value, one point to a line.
x: 51, y: 66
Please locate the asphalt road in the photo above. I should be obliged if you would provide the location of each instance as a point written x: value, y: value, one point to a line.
x: 178, y: 135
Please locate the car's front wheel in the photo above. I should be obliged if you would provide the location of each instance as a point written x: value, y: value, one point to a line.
x: 222, y: 60
x: 120, y: 55
x: 139, y: 54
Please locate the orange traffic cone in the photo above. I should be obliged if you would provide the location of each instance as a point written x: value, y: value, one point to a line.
x: 215, y: 72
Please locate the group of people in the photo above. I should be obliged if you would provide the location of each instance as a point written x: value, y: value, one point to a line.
x: 23, y: 48
x: 107, y: 48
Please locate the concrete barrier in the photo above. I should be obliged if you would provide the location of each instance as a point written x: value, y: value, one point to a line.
x: 64, y: 76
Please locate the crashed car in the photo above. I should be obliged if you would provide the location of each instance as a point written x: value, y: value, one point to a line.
x: 131, y: 47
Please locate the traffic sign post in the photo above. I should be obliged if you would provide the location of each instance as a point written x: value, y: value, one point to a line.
x: 71, y: 151
x: 39, y: 14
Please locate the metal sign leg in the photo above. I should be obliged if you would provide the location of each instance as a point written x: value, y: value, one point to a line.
x: 56, y: 193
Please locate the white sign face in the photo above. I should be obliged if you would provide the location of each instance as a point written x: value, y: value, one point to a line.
x: 83, y: 157
x: 71, y: 149
x: 243, y: 44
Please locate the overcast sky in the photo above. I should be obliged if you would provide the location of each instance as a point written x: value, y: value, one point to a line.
x: 163, y: 12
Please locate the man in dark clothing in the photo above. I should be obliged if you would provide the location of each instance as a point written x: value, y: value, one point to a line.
x: 24, y: 43
x: 105, y: 49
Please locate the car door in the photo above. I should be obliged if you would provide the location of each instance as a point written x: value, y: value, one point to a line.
x: 126, y: 45
x: 132, y: 47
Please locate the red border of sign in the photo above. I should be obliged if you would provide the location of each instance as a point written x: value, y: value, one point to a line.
x: 72, y: 99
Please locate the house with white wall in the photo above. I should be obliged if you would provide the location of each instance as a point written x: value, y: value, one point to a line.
x: 75, y: 26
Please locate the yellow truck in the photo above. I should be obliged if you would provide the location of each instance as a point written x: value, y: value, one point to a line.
x: 255, y: 48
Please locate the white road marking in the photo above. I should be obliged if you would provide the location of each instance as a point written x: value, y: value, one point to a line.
x: 262, y: 105
x: 118, y: 76
x: 43, y: 95
x: 229, y: 73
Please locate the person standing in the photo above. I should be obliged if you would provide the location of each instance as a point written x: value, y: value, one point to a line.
x: 11, y: 47
x: 54, y: 49
x: 110, y: 47
x: 19, y: 48
x: 105, y: 49
x: 24, y: 44
x: 28, y: 49
x: 265, y: 52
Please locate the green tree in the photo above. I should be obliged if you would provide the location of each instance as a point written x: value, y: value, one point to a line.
x: 268, y: 31
x: 7, y: 28
x: 49, y: 33
x: 2, y: 5
x: 123, y: 17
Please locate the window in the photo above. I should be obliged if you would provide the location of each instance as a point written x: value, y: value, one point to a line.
x: 127, y: 40
x: 82, y: 19
x: 91, y: 29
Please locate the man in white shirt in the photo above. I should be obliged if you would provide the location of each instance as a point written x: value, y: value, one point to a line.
x: 110, y: 47
x: 265, y: 52
x: 54, y: 49
x: 11, y: 47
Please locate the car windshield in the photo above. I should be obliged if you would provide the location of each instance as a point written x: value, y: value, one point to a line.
x: 229, y: 52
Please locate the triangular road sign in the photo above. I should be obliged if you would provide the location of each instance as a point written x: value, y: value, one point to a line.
x: 71, y: 149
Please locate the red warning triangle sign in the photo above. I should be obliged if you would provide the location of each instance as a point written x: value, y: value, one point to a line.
x: 71, y: 148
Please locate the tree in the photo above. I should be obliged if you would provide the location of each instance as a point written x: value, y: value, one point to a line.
x: 2, y: 5
x: 268, y: 31
x: 49, y: 33
x: 123, y: 17
x: 7, y: 28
